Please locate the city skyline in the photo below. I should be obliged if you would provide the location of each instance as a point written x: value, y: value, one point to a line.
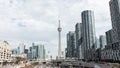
x: 31, y: 24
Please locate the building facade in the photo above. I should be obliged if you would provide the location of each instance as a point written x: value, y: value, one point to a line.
x: 71, y: 45
x: 101, y: 43
x: 109, y: 38
x: 36, y: 52
x: 22, y: 48
x: 115, y: 18
x: 78, y: 32
x: 102, y: 40
x: 5, y: 52
x: 41, y: 52
x: 112, y: 51
x: 15, y: 51
x: 89, y: 37
x: 26, y: 51
x: 97, y: 43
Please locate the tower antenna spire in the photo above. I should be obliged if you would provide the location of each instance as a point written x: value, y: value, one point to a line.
x: 59, y: 22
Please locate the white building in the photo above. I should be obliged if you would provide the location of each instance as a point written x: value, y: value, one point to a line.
x: 22, y: 48
x: 5, y: 52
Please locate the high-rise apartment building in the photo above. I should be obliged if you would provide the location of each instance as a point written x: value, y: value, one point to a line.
x: 115, y: 18
x: 22, y: 48
x: 34, y: 51
x: 109, y: 38
x: 15, y: 51
x: 30, y: 53
x: 18, y: 50
x: 100, y: 45
x: 41, y: 52
x: 78, y: 32
x: 112, y: 50
x: 97, y: 43
x: 107, y: 52
x: 89, y: 40
x: 71, y: 45
x: 102, y: 41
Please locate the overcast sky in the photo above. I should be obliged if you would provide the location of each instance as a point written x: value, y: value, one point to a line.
x: 27, y: 21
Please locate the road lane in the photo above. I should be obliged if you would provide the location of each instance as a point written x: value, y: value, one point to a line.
x: 44, y: 66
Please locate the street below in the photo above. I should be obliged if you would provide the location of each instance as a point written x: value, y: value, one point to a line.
x: 45, y: 66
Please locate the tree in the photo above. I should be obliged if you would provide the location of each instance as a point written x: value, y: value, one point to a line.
x: 18, y: 59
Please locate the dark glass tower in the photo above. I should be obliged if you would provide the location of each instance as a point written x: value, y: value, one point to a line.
x: 115, y: 17
x: 102, y: 41
x: 78, y: 32
x: 71, y: 45
x: 89, y: 40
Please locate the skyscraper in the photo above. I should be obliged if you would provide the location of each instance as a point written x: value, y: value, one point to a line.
x: 41, y: 52
x: 59, y: 40
x: 115, y: 18
x: 78, y: 32
x: 26, y: 51
x: 71, y: 45
x: 102, y: 40
x: 112, y: 50
x: 14, y: 51
x: 34, y: 54
x: 22, y: 48
x: 18, y: 50
x: 34, y: 51
x: 109, y: 38
x: 89, y: 40
x: 97, y: 43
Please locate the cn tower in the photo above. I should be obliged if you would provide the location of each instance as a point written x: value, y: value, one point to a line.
x: 59, y: 40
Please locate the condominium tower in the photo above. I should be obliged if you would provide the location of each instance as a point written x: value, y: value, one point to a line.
x: 78, y: 32
x: 71, y: 45
x: 115, y: 18
x: 89, y: 36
